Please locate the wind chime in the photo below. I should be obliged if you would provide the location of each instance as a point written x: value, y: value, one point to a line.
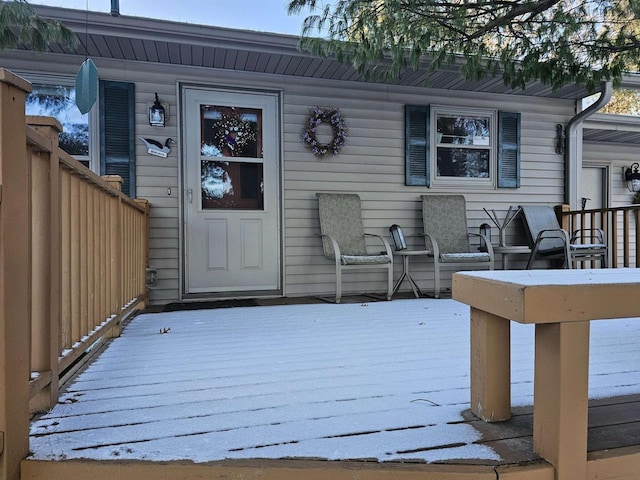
x: 87, y: 76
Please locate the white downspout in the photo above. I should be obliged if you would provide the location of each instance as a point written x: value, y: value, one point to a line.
x: 573, y: 146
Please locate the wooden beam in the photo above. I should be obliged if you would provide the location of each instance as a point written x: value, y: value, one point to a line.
x: 490, y: 366
x: 618, y: 464
x: 275, y: 470
x: 560, y: 402
x: 15, y: 275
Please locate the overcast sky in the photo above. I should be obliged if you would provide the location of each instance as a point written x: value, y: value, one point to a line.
x: 260, y: 15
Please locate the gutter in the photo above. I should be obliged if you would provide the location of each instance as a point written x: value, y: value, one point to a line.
x: 573, y: 147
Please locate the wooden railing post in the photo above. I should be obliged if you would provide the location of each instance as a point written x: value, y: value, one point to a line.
x: 563, y: 218
x: 47, y: 275
x: 143, y: 254
x: 15, y: 275
x: 116, y: 231
x: 636, y: 216
x: 614, y: 238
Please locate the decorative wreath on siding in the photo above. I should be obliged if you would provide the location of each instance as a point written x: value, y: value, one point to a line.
x: 333, y: 117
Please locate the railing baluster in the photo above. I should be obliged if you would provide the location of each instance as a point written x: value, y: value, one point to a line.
x: 620, y: 228
x: 614, y: 238
x: 625, y: 230
x: 637, y: 242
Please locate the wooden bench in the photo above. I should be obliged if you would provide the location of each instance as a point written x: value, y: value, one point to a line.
x: 561, y: 304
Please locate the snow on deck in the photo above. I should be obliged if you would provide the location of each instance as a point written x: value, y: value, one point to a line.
x: 384, y: 380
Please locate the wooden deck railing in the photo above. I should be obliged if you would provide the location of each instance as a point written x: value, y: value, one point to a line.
x: 73, y: 258
x: 89, y: 258
x: 619, y: 225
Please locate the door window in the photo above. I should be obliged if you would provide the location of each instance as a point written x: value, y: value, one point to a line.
x: 234, y: 179
x: 232, y: 185
x: 231, y: 131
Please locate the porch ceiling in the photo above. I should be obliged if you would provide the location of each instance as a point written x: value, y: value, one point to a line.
x: 160, y: 41
x: 611, y: 136
x: 614, y: 129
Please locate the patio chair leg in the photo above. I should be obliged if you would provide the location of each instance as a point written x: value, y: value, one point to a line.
x: 390, y: 283
x: 568, y: 256
x: 532, y: 257
x: 436, y: 279
x: 338, y: 285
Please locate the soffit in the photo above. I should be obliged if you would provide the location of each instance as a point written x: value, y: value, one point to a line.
x: 614, y: 129
x: 160, y: 41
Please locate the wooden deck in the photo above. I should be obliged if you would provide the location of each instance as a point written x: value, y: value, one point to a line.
x: 271, y: 383
x: 614, y: 422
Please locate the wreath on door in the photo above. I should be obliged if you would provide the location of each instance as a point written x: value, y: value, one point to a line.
x: 232, y: 134
x: 333, y: 117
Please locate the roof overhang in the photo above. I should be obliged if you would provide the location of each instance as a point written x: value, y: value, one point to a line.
x: 159, y: 41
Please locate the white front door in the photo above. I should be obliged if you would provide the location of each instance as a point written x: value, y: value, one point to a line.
x: 231, y: 185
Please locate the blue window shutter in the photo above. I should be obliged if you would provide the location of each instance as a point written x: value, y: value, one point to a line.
x: 416, y: 139
x: 117, y: 133
x: 508, y: 150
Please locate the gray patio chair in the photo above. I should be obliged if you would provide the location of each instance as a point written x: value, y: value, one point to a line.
x: 343, y: 238
x: 446, y: 233
x: 549, y: 241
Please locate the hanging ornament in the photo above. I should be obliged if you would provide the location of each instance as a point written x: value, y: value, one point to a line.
x: 86, y: 86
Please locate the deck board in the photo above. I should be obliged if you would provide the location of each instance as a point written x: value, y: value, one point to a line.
x: 386, y: 381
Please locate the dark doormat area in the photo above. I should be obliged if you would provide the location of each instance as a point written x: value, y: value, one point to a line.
x: 182, y: 306
x: 256, y: 302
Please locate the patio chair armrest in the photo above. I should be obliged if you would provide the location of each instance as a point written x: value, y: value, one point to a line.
x: 487, y: 241
x: 384, y: 241
x: 595, y: 235
x: 335, y: 246
x: 553, y: 233
x: 431, y: 243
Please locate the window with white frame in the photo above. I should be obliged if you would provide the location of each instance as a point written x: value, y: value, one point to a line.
x: 58, y: 100
x: 449, y: 146
x: 464, y: 145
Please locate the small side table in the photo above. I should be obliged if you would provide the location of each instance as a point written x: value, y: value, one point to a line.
x: 406, y: 255
x: 507, y: 250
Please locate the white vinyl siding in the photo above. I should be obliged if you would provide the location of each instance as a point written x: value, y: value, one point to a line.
x: 372, y: 163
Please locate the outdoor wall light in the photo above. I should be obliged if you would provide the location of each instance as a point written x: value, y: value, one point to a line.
x: 156, y: 114
x: 632, y: 177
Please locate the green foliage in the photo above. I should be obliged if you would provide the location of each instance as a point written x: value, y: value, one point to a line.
x: 20, y: 25
x: 558, y: 42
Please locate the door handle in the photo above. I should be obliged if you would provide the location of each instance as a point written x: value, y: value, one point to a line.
x: 190, y: 195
